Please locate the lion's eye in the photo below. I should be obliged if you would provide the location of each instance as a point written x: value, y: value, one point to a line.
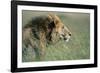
x: 63, y: 27
x: 70, y: 34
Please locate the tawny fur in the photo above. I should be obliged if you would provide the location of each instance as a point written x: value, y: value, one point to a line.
x: 44, y: 30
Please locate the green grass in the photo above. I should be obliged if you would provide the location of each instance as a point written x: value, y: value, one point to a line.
x: 77, y: 48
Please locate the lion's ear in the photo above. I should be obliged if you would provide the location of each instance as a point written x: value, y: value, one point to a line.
x: 51, y: 23
x: 54, y: 17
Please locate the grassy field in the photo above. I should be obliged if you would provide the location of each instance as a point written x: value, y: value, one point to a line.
x: 76, y: 49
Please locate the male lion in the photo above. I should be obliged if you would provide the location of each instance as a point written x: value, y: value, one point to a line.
x: 43, y: 30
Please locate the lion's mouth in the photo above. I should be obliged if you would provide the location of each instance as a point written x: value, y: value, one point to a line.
x: 67, y: 38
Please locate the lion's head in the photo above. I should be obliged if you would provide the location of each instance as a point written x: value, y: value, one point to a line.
x: 57, y: 29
